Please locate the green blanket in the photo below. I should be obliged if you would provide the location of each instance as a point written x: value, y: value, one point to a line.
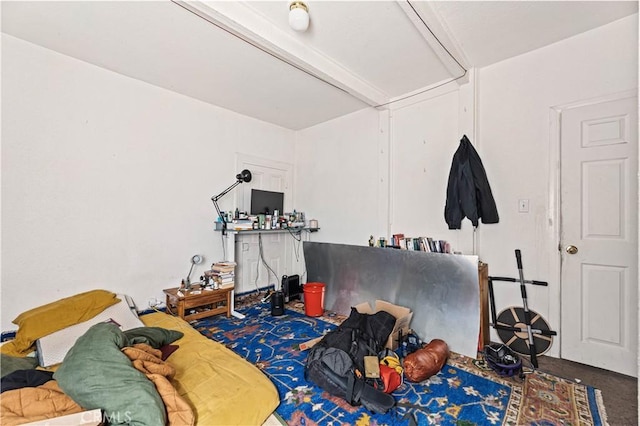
x: 96, y: 374
x: 9, y: 364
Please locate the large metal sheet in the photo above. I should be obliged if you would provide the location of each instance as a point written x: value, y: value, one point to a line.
x: 441, y: 289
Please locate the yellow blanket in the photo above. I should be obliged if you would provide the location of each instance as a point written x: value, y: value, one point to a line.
x: 221, y: 387
x: 30, y: 404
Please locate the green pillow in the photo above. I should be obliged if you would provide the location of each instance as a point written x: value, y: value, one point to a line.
x: 96, y: 374
x: 9, y: 364
x: 156, y: 337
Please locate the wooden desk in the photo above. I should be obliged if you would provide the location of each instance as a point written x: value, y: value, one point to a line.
x: 192, y: 306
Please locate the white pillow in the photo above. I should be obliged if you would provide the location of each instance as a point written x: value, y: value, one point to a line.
x: 53, y: 347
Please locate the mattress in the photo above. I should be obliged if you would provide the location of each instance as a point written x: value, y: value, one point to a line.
x: 222, y: 387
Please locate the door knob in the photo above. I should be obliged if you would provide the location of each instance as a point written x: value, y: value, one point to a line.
x: 571, y: 249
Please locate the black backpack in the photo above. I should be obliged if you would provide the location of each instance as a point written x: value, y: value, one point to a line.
x: 336, y: 363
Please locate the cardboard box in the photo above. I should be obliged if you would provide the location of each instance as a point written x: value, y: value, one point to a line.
x: 403, y: 318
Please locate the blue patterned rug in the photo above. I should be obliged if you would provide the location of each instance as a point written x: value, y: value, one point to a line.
x: 465, y: 392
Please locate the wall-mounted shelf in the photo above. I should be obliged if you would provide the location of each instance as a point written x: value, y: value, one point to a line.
x: 257, y: 231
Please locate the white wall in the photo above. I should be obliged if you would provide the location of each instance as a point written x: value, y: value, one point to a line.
x: 379, y: 172
x: 424, y: 138
x: 337, y: 176
x: 514, y: 101
x: 514, y: 98
x: 383, y: 172
x: 107, y: 181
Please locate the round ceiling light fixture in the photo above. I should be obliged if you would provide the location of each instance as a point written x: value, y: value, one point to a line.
x: 298, y: 16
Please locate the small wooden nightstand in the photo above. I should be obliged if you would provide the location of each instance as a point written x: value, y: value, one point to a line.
x: 193, y: 305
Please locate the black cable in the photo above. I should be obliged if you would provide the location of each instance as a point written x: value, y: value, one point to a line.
x: 434, y: 36
x: 258, y: 276
x: 293, y: 234
x: 444, y: 48
x: 224, y: 246
x: 298, y: 239
x: 302, y: 277
x: 421, y: 92
x: 275, y: 276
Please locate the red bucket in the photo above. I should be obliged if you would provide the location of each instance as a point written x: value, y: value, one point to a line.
x: 314, y: 299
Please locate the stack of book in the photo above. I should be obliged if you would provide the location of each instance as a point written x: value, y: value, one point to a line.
x: 222, y: 273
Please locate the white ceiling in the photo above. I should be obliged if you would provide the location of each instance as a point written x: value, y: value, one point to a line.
x: 242, y: 55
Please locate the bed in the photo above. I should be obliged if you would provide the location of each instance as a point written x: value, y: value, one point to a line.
x: 210, y: 384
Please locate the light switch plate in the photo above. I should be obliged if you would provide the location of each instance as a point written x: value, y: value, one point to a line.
x: 523, y: 205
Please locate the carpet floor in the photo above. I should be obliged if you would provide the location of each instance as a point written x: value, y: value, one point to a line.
x: 465, y: 392
x: 619, y: 392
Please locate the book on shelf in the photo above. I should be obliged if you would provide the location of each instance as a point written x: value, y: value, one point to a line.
x: 426, y: 244
x: 225, y: 263
x: 412, y: 243
x: 220, y: 277
x: 397, y: 240
x: 223, y: 267
x: 222, y: 280
x: 223, y: 274
x: 408, y: 243
x: 432, y: 245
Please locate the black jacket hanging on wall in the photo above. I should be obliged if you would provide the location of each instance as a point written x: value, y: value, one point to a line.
x: 468, y: 191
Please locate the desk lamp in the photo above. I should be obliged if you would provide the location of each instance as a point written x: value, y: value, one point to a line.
x: 243, y: 176
x: 195, y: 259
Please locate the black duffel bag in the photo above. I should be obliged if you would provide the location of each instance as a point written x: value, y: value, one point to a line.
x: 336, y: 363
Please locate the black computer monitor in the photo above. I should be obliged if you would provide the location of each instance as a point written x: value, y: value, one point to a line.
x: 266, y: 202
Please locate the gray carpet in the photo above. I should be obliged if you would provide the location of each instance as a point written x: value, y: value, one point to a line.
x: 619, y: 392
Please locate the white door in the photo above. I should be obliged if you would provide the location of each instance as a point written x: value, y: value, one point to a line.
x: 599, y: 239
x: 263, y: 258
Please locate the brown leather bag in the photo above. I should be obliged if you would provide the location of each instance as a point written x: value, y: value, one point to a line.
x: 426, y: 361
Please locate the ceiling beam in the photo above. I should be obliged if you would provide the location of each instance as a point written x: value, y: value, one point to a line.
x: 242, y: 21
x: 436, y: 34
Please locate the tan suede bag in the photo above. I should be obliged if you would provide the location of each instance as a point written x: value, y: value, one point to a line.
x: 426, y: 361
